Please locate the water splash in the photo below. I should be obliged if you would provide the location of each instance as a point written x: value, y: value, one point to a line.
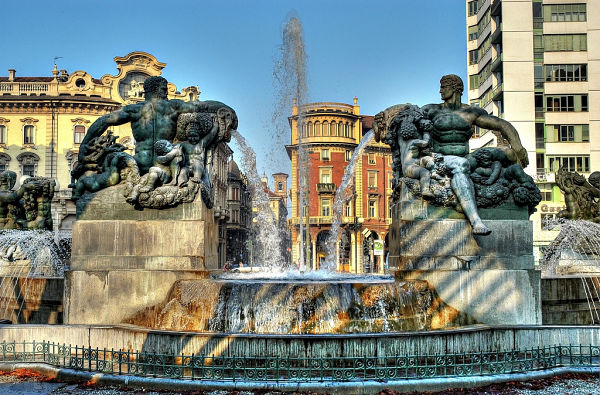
x: 575, y: 252
x: 267, y: 235
x: 290, y: 83
x: 343, y: 194
x: 27, y: 255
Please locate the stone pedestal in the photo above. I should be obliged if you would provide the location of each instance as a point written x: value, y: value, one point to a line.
x: 124, y: 259
x: 489, y: 278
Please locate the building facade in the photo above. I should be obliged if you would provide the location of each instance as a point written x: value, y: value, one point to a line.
x: 534, y: 63
x: 330, y: 133
x: 239, y: 206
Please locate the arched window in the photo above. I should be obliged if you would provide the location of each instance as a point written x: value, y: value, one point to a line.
x: 334, y: 129
x: 310, y: 129
x: 28, y: 162
x: 351, y: 132
x: 28, y: 134
x: 325, y: 128
x: 4, y: 161
x: 78, y: 133
x: 318, y: 129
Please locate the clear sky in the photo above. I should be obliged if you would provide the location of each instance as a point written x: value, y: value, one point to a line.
x: 383, y: 52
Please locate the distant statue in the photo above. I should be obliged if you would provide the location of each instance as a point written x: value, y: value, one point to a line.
x: 582, y: 197
x: 27, y: 207
x: 464, y: 180
x: 100, y: 166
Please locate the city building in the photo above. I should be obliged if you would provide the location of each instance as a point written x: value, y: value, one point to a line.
x: 239, y: 206
x: 534, y: 63
x: 330, y: 133
x: 44, y: 119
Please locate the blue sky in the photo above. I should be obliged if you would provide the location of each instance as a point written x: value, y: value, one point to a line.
x: 383, y: 52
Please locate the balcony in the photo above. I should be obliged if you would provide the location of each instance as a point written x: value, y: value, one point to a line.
x: 326, y: 188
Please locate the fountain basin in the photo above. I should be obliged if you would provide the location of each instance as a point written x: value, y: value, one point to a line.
x: 226, y: 305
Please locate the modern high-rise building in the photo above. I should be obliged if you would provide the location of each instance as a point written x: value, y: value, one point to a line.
x: 330, y: 133
x: 534, y: 63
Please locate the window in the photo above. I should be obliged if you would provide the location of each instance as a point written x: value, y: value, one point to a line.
x: 565, y: 13
x: 372, y: 209
x: 348, y: 209
x: 473, y: 6
x: 372, y: 179
x: 2, y: 134
x: 566, y: 103
x: 325, y: 154
x: 318, y: 129
x: 280, y: 186
x: 28, y: 134
x: 325, y: 175
x: 566, y: 133
x: 569, y: 163
x: 235, y: 193
x: 348, y: 155
x: 4, y: 161
x: 28, y: 163
x: 565, y: 42
x: 546, y: 191
x: 389, y: 208
x: 79, y: 133
x: 565, y: 72
x: 372, y: 159
x: 325, y: 128
x: 325, y: 207
x: 390, y: 179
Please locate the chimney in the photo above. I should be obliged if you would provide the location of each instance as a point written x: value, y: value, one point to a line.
x: 11, y: 74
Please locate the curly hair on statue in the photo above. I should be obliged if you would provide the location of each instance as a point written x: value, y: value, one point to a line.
x: 151, y: 84
x: 454, y: 81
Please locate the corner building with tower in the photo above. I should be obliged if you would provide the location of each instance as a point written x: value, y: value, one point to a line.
x: 330, y: 133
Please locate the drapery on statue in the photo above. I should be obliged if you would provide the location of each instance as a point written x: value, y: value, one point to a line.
x: 582, y: 197
x: 175, y: 143
x: 431, y: 144
x: 29, y: 206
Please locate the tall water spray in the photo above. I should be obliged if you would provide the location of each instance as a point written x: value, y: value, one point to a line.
x: 266, y: 231
x: 342, y: 196
x: 290, y: 80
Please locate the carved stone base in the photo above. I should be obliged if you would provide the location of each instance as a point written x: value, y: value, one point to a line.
x: 124, y: 259
x: 112, y: 296
x: 489, y: 278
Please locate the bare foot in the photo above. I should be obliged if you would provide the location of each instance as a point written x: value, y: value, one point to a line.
x: 480, y: 229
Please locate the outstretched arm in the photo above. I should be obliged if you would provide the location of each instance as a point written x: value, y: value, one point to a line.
x: 508, y: 131
x: 119, y: 117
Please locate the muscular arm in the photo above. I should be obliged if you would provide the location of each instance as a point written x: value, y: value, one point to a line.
x: 508, y: 131
x: 119, y: 117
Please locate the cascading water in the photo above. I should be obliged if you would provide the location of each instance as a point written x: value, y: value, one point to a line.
x: 290, y: 82
x: 266, y: 232
x: 27, y: 255
x: 575, y: 252
x: 343, y: 194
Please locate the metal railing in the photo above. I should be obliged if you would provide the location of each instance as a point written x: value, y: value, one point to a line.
x: 280, y: 368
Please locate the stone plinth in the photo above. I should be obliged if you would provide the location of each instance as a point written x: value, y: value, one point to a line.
x: 489, y: 278
x: 124, y: 258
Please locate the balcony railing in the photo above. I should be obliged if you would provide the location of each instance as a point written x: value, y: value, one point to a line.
x: 326, y: 187
x: 17, y: 88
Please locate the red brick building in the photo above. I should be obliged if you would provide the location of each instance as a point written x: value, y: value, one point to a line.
x: 330, y: 132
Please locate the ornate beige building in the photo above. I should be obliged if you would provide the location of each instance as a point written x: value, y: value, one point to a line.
x: 44, y: 119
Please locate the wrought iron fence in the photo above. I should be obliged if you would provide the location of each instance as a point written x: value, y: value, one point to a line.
x: 232, y: 368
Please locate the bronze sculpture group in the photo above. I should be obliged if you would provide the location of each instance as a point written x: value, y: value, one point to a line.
x: 433, y: 161
x: 28, y: 207
x: 175, y: 143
